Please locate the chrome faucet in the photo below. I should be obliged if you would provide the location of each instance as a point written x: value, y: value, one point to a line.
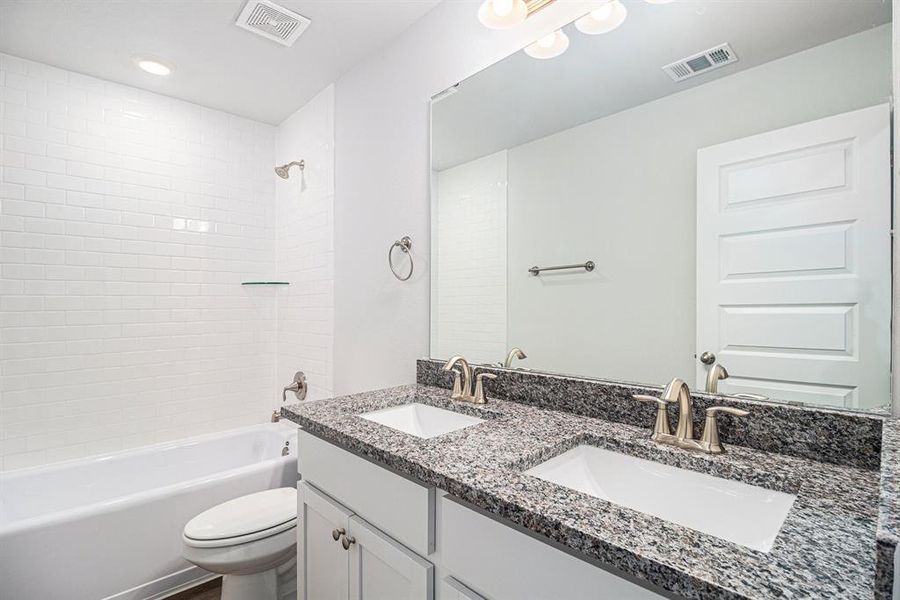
x: 715, y: 373
x: 462, y: 391
x: 678, y: 390
x: 513, y: 354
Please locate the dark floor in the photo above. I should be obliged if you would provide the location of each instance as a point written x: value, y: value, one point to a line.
x: 211, y: 590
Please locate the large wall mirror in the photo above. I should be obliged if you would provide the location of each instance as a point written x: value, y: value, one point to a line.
x: 726, y: 169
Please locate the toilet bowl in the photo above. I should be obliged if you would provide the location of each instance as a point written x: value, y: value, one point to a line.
x: 252, y: 541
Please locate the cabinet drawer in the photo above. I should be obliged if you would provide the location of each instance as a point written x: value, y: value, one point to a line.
x: 396, y: 505
x: 504, y: 563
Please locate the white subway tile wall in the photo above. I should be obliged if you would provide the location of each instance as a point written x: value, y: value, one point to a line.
x: 128, y: 221
x: 468, y: 290
x: 305, y: 245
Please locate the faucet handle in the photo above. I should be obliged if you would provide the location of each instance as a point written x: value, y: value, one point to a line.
x: 647, y: 398
x: 661, y: 427
x: 710, y: 439
x: 737, y: 412
x: 479, y: 387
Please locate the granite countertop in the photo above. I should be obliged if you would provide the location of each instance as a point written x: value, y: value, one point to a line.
x: 825, y: 549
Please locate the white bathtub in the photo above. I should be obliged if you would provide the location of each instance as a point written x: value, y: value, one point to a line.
x: 110, y: 526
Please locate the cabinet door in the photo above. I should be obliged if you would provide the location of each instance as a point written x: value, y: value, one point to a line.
x: 322, y: 563
x: 451, y: 589
x: 382, y: 569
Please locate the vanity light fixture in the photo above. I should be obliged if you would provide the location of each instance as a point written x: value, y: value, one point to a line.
x: 502, y: 14
x: 603, y: 19
x: 154, y: 66
x: 549, y: 46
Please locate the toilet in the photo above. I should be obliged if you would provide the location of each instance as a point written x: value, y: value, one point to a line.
x: 252, y: 541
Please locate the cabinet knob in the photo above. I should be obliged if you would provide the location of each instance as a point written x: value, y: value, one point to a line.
x: 346, y: 542
x: 337, y: 533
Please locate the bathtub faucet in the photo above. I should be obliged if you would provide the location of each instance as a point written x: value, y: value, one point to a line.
x: 299, y: 387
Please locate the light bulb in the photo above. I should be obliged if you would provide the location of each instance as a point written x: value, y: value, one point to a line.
x: 502, y: 14
x: 603, y: 19
x: 602, y: 13
x: 548, y: 46
x: 547, y: 41
x: 502, y: 7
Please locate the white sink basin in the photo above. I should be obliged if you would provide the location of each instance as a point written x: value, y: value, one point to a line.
x: 421, y: 420
x: 744, y: 514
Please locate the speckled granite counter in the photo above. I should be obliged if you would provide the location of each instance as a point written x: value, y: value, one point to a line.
x: 888, y: 533
x: 826, y: 548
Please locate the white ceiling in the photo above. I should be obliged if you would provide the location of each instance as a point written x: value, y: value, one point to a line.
x: 521, y: 99
x: 218, y: 64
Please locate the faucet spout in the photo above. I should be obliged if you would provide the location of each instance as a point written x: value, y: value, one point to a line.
x: 513, y: 354
x: 466, y: 389
x: 715, y: 373
x: 679, y: 390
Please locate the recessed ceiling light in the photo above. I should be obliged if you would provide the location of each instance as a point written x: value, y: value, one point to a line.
x: 154, y: 66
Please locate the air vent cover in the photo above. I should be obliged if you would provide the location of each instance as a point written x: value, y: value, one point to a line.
x: 272, y: 21
x: 701, y: 62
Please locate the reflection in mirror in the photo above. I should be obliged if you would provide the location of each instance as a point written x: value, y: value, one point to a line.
x: 735, y: 204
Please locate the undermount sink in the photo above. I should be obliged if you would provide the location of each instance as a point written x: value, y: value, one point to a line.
x: 421, y: 420
x: 738, y: 512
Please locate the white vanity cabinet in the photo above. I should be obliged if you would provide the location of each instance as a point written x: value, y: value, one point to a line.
x: 323, y: 565
x: 382, y: 569
x: 372, y: 566
x: 451, y: 589
x: 407, y: 541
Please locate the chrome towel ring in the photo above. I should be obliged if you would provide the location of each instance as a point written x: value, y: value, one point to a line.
x: 404, y: 244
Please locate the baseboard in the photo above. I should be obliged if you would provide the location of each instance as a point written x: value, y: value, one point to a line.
x: 166, y: 586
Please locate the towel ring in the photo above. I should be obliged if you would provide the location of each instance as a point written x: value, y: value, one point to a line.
x: 404, y: 244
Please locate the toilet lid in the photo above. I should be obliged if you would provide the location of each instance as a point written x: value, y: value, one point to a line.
x: 245, y: 515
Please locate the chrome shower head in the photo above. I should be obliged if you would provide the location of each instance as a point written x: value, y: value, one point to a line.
x: 283, y: 170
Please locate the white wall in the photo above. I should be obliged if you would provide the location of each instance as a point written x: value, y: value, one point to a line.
x: 382, y: 181
x: 468, y: 277
x: 621, y: 191
x: 128, y: 221
x: 305, y: 246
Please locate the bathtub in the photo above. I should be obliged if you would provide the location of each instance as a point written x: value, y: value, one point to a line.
x: 110, y: 526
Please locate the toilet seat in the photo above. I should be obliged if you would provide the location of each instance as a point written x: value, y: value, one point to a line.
x: 242, y: 520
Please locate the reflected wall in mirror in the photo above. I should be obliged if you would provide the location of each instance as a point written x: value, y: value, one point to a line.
x: 743, y: 211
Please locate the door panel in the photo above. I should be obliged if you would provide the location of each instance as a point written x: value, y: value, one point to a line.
x: 793, y: 260
x: 382, y: 569
x: 451, y: 589
x: 322, y: 564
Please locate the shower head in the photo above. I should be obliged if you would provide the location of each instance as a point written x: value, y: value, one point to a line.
x: 283, y: 170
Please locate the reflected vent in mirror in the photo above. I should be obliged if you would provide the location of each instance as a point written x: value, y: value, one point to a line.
x: 701, y: 62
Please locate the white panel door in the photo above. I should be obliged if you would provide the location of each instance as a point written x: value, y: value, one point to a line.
x: 793, y: 260
x: 322, y: 563
x: 382, y: 569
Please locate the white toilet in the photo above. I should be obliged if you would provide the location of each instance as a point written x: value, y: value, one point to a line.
x: 252, y: 541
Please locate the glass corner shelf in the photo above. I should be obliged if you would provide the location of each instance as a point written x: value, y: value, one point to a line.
x: 265, y: 283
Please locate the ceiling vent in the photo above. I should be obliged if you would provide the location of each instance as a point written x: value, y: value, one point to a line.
x: 701, y: 62
x: 272, y: 21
